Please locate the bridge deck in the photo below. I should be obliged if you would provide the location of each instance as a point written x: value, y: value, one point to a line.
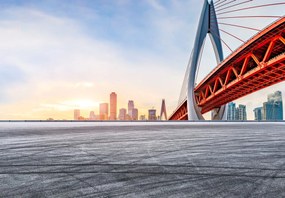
x: 257, y: 64
x: 266, y: 34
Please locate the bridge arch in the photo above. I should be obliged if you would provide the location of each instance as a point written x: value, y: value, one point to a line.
x: 208, y: 25
x: 258, y: 63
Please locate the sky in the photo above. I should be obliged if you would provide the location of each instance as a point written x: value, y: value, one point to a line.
x: 57, y: 56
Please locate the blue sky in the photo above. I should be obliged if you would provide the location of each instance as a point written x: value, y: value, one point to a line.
x: 133, y: 24
x: 59, y: 55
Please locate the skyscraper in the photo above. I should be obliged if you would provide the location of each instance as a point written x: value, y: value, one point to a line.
x: 131, y: 106
x: 152, y: 114
x: 231, y: 111
x: 122, y: 114
x: 267, y: 111
x: 76, y: 114
x: 241, y: 112
x: 132, y: 111
x: 163, y: 110
x: 135, y: 114
x: 92, y: 115
x: 258, y: 113
x: 236, y: 113
x: 273, y: 108
x: 275, y: 97
x: 113, y: 106
x: 104, y: 111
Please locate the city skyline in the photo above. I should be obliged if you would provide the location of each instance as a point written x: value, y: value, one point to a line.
x: 109, y: 111
x: 272, y: 109
x: 61, y: 56
x: 236, y: 112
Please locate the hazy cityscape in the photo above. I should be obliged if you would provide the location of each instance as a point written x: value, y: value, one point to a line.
x: 108, y: 111
x: 271, y: 110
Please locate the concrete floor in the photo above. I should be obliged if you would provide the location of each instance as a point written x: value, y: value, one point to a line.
x: 148, y: 160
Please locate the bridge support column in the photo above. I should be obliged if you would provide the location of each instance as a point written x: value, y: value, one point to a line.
x: 207, y: 25
x: 220, y: 113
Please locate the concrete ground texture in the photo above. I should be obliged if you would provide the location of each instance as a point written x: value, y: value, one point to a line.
x: 180, y: 159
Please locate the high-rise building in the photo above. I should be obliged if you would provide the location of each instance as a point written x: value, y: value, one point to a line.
x: 122, y: 114
x: 258, y: 113
x: 92, y: 115
x: 131, y: 106
x: 113, y: 106
x: 236, y: 113
x: 241, y: 112
x: 132, y: 111
x: 76, y: 114
x: 104, y: 111
x: 267, y: 111
x: 232, y: 111
x: 273, y: 108
x: 163, y: 110
x: 152, y: 114
x: 275, y: 97
x: 277, y: 105
x: 135, y: 114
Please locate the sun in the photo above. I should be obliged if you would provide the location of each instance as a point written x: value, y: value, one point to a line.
x: 82, y: 104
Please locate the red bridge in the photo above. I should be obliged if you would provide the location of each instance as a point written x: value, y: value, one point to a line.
x: 257, y: 64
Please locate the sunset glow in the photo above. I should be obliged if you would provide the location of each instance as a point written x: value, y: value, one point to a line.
x: 54, y: 60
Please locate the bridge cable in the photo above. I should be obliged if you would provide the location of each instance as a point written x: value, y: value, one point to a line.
x: 233, y: 17
x: 240, y: 26
x: 220, y: 6
x: 222, y: 41
x: 252, y: 7
x: 232, y: 35
x: 221, y: 3
x: 216, y: 2
x: 237, y: 4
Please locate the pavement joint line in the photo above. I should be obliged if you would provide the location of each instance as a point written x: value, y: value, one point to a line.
x: 142, y: 165
x: 144, y: 173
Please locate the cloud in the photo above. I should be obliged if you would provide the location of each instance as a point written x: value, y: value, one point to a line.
x: 156, y: 5
x: 11, y: 76
x: 84, y: 84
x: 63, y: 62
x: 140, y: 50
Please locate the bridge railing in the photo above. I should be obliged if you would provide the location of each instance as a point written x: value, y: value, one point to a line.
x: 177, y: 108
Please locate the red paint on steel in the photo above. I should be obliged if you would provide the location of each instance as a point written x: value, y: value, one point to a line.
x: 257, y: 64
